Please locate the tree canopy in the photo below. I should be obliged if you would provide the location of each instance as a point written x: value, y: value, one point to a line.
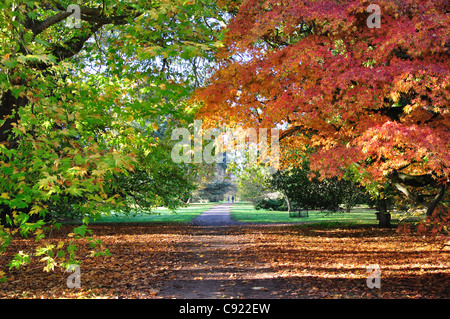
x: 87, y: 106
x: 90, y: 93
x: 376, y: 98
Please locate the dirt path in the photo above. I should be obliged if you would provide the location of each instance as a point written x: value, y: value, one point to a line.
x: 217, y: 262
x: 213, y: 260
x: 218, y: 215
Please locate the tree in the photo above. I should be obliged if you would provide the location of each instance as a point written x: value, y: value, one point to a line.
x: 216, y: 190
x: 252, y: 183
x: 250, y: 189
x: 303, y: 190
x: 217, y: 183
x: 376, y: 98
x: 81, y: 106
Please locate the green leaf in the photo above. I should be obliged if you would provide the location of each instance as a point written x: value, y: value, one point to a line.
x: 82, y: 230
x: 19, y: 259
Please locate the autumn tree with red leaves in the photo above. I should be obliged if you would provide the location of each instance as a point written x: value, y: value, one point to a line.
x: 375, y: 98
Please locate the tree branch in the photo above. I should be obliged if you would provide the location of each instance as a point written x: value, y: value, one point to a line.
x: 436, y: 200
x: 405, y: 191
x: 39, y: 26
x: 74, y: 45
x: 93, y: 16
x: 418, y: 181
x: 412, y: 180
x: 297, y: 128
x: 290, y: 131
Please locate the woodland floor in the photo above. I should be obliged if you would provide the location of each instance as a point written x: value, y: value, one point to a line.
x: 186, y: 261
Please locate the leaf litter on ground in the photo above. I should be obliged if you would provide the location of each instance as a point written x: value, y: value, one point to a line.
x: 182, y: 261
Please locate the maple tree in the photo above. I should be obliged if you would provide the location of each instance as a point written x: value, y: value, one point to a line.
x: 87, y: 105
x: 372, y: 99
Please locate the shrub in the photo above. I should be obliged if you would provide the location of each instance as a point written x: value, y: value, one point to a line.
x: 271, y: 204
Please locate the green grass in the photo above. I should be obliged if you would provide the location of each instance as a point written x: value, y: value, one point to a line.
x: 245, y: 212
x: 161, y: 215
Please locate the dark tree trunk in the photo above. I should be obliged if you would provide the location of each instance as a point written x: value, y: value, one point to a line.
x: 4, y: 212
x: 383, y: 216
x: 9, y: 106
x: 385, y: 220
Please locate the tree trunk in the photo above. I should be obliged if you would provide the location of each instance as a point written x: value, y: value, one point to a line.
x: 9, y: 106
x: 288, y: 203
x: 9, y: 111
x: 385, y: 220
x: 4, y: 211
x: 384, y: 217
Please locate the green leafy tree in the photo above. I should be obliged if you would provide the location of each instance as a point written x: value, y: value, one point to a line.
x: 302, y: 189
x: 81, y: 107
x: 252, y: 187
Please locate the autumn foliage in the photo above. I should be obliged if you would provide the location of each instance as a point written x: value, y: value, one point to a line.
x: 175, y: 261
x: 86, y: 115
x: 86, y: 112
x: 374, y: 98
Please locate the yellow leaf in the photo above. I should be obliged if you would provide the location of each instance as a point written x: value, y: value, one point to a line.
x: 153, y: 14
x: 5, y: 196
x: 408, y: 108
x: 35, y: 209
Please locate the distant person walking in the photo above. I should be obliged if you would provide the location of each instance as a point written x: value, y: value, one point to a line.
x: 232, y: 199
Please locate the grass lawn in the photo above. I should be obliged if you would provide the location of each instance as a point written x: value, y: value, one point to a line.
x: 245, y: 212
x: 161, y: 215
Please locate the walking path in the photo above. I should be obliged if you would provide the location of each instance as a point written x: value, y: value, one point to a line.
x: 217, y: 216
x: 217, y: 261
